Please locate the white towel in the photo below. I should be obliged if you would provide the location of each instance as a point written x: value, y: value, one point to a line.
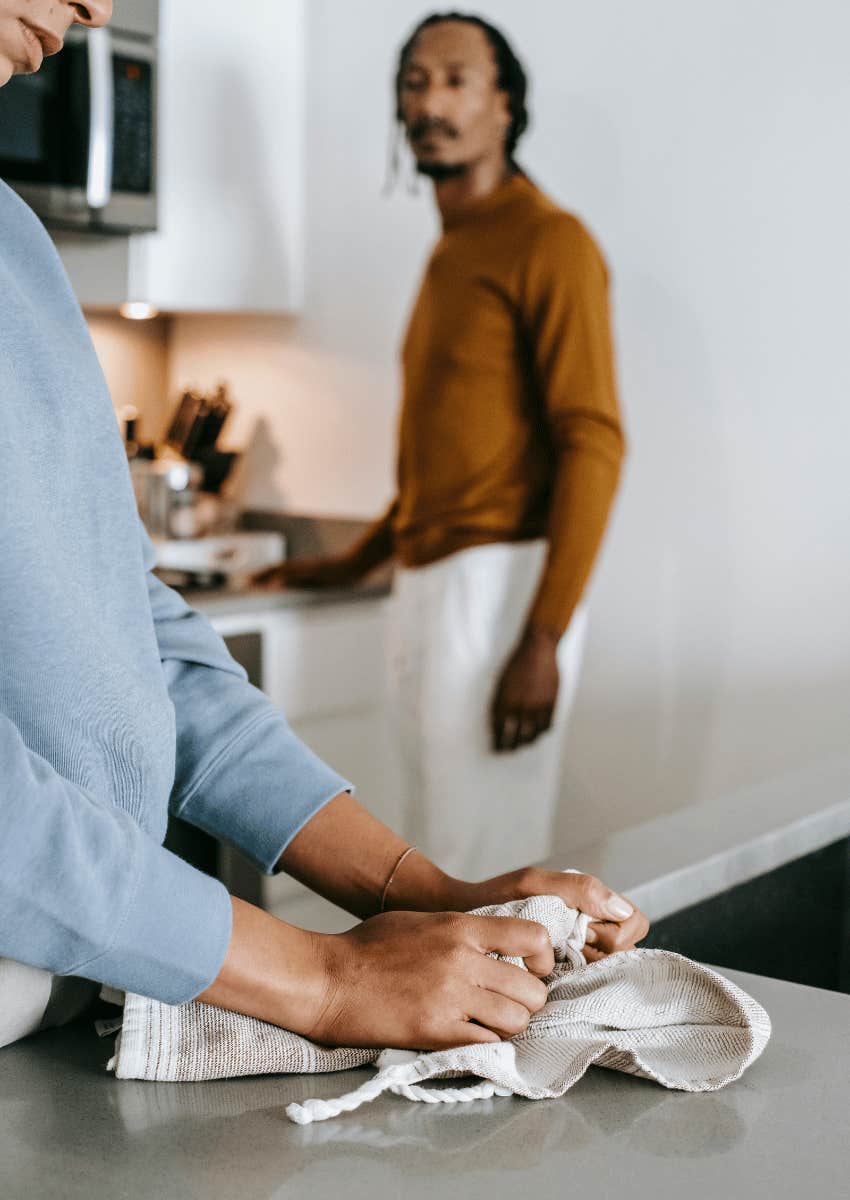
x: 645, y: 1012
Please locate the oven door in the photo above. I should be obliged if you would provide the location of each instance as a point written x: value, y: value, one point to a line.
x: 78, y: 139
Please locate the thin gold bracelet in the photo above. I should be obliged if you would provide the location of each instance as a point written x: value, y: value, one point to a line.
x: 392, y: 876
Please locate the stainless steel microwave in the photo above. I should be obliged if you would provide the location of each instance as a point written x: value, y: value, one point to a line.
x: 78, y: 139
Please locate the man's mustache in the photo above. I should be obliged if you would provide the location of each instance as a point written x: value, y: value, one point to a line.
x: 421, y: 127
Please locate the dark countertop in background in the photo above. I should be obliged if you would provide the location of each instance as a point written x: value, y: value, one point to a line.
x: 220, y: 602
x: 306, y: 537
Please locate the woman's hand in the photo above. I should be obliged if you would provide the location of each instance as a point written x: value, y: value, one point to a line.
x: 618, y: 924
x: 418, y: 981
x: 425, y: 981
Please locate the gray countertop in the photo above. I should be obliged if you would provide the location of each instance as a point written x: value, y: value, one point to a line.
x: 69, y: 1130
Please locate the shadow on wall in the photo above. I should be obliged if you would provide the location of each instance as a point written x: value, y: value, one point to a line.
x: 253, y: 483
x: 637, y: 688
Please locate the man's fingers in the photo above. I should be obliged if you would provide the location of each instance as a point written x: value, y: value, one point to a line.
x: 504, y: 729
x: 504, y: 1016
x: 509, y: 730
x: 508, y: 980
x: 266, y: 577
x: 513, y: 728
x: 544, y: 719
x: 516, y: 938
x: 526, y: 729
x: 529, y: 727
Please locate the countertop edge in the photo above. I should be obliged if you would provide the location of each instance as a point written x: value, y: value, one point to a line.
x: 674, y: 861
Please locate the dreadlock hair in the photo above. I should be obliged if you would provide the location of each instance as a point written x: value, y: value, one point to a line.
x: 511, y: 78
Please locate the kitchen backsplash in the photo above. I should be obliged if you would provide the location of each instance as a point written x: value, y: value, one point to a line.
x: 315, y: 430
x: 134, y: 358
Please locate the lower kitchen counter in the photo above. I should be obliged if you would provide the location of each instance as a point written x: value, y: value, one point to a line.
x: 225, y: 602
x: 70, y: 1130
x: 306, y: 537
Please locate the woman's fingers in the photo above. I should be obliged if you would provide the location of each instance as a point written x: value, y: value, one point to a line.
x: 514, y: 983
x: 589, y: 894
x: 584, y: 892
x: 609, y: 937
x: 516, y: 938
x: 500, y: 1014
x: 464, y: 1033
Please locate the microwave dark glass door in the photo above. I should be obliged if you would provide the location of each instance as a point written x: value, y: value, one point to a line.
x: 44, y: 137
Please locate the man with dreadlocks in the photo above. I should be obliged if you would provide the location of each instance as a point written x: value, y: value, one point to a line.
x: 510, y: 451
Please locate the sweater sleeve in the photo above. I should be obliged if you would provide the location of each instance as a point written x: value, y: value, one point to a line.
x: 566, y: 319
x: 83, y: 891
x: 242, y: 774
x: 375, y: 545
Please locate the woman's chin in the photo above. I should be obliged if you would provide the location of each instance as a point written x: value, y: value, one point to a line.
x: 7, y: 69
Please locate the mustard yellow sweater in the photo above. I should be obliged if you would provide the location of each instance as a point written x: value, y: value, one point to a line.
x: 509, y: 426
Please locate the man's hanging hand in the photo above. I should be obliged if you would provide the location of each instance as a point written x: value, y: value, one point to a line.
x: 525, y: 696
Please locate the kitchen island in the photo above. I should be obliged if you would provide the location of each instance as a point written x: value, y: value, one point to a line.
x: 71, y: 1131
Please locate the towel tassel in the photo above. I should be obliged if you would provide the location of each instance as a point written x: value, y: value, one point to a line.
x: 397, y: 1077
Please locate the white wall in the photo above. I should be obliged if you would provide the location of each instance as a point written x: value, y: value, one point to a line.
x: 705, y: 146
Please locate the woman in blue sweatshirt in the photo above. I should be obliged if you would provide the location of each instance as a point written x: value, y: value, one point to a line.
x: 120, y: 704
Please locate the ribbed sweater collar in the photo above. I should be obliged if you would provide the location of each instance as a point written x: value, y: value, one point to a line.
x: 501, y: 196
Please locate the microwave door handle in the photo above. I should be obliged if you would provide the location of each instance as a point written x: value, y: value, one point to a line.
x: 101, y: 119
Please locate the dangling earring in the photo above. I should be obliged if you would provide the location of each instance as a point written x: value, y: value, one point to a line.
x: 393, y: 160
x: 413, y: 180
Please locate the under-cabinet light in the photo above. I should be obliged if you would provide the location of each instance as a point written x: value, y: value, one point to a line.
x: 138, y: 310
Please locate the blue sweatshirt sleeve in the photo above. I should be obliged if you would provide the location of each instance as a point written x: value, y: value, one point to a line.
x: 84, y: 891
x: 242, y: 774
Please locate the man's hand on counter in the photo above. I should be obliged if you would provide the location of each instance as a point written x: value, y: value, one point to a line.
x: 309, y: 573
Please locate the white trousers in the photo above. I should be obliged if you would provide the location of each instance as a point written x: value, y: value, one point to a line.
x: 452, y: 627
x: 32, y: 999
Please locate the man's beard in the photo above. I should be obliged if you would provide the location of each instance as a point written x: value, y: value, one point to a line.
x: 438, y: 171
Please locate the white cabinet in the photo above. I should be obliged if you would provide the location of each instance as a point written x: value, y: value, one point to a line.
x: 323, y: 667
x: 229, y: 170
